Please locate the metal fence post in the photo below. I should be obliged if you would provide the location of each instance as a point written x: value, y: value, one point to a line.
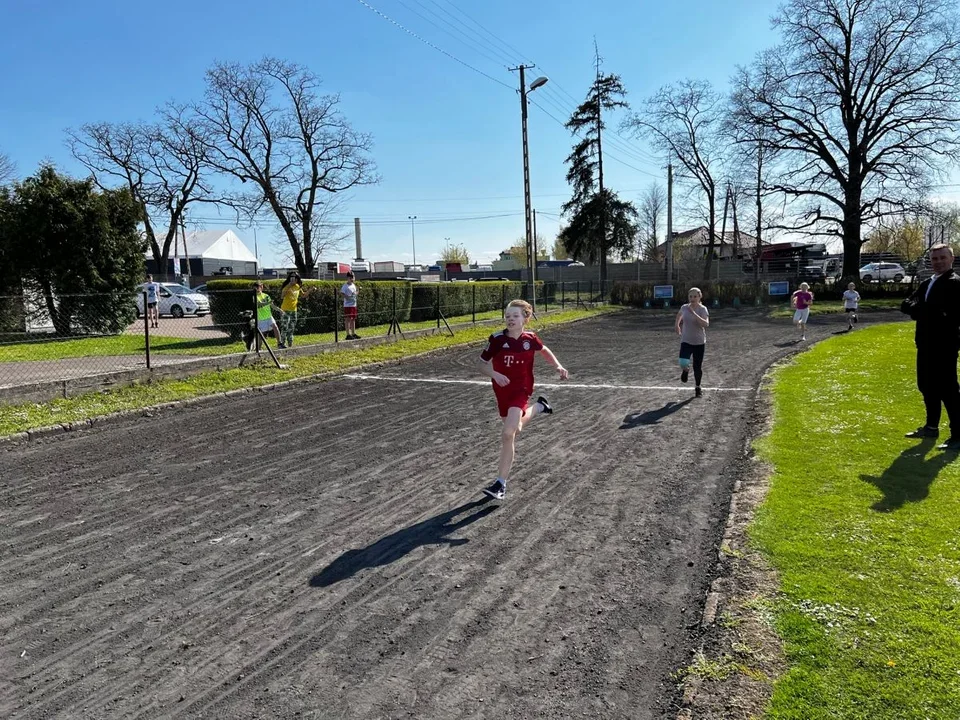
x: 503, y: 300
x: 146, y: 328
x: 438, y: 305
x: 590, y: 292
x: 473, y: 304
x: 336, y: 315
x: 578, y: 293
x: 563, y: 296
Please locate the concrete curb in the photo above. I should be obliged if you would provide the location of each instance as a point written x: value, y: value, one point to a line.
x: 63, y: 428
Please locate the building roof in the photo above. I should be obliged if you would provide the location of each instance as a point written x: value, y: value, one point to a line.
x: 700, y: 236
x: 214, y: 245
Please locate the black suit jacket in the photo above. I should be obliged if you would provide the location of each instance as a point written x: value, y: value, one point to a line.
x: 938, y: 317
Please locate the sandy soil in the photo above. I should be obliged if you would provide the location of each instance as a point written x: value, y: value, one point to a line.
x: 324, y: 551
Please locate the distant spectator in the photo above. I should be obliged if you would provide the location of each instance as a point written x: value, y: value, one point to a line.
x: 289, y: 297
x: 153, y: 302
x: 265, y: 321
x: 349, y: 292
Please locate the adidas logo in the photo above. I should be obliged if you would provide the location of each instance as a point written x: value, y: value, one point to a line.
x: 507, y: 345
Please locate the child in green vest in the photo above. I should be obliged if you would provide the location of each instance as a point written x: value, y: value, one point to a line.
x: 265, y: 321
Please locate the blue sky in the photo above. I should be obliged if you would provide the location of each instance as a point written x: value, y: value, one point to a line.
x: 447, y: 139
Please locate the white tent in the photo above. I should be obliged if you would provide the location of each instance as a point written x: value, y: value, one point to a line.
x: 211, y: 250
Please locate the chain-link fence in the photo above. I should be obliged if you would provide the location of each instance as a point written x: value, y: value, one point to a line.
x: 67, y: 339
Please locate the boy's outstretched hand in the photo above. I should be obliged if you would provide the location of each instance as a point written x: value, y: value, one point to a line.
x: 564, y: 375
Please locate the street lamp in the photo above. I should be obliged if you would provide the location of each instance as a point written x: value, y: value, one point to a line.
x: 528, y: 210
x: 413, y: 236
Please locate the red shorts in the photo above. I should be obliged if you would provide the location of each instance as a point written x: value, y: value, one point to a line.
x: 350, y: 312
x: 508, y: 397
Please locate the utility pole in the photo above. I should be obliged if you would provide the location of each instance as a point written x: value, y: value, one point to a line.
x: 528, y: 211
x: 723, y: 226
x: 413, y: 236
x: 186, y: 253
x: 603, y: 203
x: 669, y: 223
x: 535, y: 248
x: 756, y: 262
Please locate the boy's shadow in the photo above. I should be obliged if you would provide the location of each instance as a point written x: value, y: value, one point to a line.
x: 909, y: 477
x: 652, y: 417
x: 386, y: 550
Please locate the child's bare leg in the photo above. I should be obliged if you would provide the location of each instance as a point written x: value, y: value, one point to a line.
x: 511, y: 426
x: 529, y: 414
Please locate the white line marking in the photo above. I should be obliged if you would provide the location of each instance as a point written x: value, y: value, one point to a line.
x: 600, y: 386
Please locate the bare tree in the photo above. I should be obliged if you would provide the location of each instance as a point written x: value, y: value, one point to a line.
x: 163, y: 165
x: 653, y: 204
x: 686, y: 121
x: 268, y: 127
x: 8, y: 168
x: 861, y: 97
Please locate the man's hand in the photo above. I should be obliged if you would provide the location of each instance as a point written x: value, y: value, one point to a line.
x: 500, y: 379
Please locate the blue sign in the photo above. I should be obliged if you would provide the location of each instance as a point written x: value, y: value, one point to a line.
x: 779, y: 288
x: 662, y: 292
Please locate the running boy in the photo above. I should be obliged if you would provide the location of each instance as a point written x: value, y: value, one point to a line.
x: 692, y: 323
x: 802, y: 299
x: 851, y: 302
x: 508, y: 362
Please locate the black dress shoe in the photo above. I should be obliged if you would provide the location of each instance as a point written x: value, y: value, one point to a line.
x: 924, y: 432
x: 952, y: 443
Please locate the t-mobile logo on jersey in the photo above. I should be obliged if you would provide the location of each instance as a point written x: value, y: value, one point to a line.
x: 508, y: 360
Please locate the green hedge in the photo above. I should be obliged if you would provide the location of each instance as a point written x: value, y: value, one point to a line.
x: 457, y: 298
x: 320, y: 303
x: 636, y: 294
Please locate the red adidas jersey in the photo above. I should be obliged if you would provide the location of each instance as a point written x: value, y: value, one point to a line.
x: 514, y: 358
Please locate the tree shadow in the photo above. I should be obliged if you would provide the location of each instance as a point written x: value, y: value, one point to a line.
x: 386, y: 550
x: 909, y: 477
x: 652, y: 417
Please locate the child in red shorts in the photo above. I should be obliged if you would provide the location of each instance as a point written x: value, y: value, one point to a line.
x: 508, y: 362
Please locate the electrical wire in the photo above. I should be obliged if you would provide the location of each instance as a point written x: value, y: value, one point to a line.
x: 511, y: 50
x: 465, y: 39
x: 430, y: 44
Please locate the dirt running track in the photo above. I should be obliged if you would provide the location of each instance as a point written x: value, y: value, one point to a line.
x: 324, y: 551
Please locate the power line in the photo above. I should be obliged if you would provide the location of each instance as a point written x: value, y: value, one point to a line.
x: 430, y: 44
x: 464, y: 39
x: 510, y: 57
x: 496, y: 38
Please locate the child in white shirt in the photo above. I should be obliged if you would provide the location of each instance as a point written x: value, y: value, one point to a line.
x: 851, y: 300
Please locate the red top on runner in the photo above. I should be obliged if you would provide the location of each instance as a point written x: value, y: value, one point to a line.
x: 514, y: 358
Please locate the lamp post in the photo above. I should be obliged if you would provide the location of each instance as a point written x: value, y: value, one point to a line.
x: 528, y: 210
x: 413, y: 236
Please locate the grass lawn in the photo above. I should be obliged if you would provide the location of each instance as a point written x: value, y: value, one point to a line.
x: 17, y: 418
x: 109, y: 345
x: 828, y: 307
x: 863, y: 528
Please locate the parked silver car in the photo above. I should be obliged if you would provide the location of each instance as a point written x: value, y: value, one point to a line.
x: 176, y: 300
x: 882, y: 271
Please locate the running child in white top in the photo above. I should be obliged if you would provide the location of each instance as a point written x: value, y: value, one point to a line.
x: 851, y: 303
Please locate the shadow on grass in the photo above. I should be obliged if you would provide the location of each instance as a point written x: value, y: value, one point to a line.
x: 909, y: 477
x: 221, y: 342
x: 652, y: 417
x: 391, y: 548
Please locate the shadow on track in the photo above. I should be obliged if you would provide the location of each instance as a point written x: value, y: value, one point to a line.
x: 652, y: 417
x: 386, y: 550
x: 909, y: 477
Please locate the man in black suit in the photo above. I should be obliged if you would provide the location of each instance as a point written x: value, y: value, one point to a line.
x: 935, y: 305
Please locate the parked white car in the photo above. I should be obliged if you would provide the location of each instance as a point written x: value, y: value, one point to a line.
x: 176, y: 300
x: 882, y: 271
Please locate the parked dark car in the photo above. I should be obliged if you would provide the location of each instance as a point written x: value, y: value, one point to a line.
x: 812, y: 273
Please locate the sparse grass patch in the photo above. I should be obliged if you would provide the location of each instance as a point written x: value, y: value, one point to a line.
x: 17, y: 418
